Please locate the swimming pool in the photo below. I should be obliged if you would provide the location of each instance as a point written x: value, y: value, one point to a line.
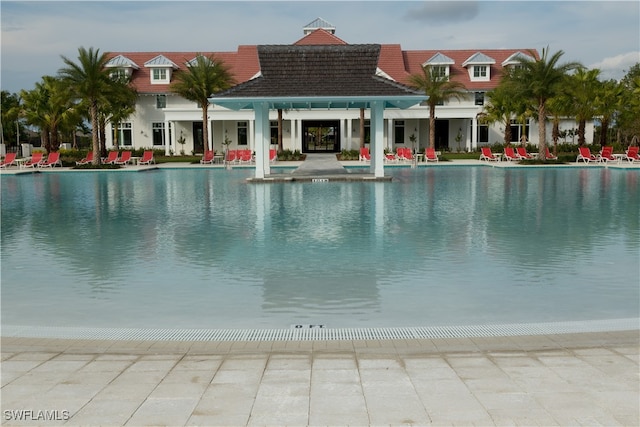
x: 196, y: 248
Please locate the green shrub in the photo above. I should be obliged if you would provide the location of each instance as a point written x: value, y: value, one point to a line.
x: 288, y: 155
x: 348, y: 155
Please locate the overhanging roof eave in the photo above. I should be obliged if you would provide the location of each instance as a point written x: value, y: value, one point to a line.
x: 324, y: 102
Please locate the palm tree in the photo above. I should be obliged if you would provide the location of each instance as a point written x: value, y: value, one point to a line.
x: 582, y: 87
x: 48, y: 107
x: 204, y: 77
x: 439, y: 90
x: 119, y: 104
x: 540, y: 80
x: 499, y: 109
x: 609, y: 101
x: 10, y: 115
x: 557, y: 107
x: 89, y: 80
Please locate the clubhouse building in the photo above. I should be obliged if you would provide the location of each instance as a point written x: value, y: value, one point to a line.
x: 318, y: 85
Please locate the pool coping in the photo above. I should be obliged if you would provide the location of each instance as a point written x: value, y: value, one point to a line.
x: 319, y: 333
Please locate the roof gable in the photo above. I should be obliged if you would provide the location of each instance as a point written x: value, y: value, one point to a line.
x: 319, y: 23
x: 121, y: 61
x: 161, y: 61
x: 439, y: 59
x: 320, y: 37
x: 517, y: 58
x: 479, y: 58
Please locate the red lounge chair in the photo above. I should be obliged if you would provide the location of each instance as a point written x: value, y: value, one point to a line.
x: 9, y: 160
x: 35, y: 160
x: 585, y: 155
x: 430, y: 155
x: 147, y: 158
x: 365, y: 156
x: 86, y: 160
x: 405, y: 154
x: 273, y: 155
x: 231, y: 156
x: 523, y: 155
x: 632, y: 154
x: 207, y: 158
x: 509, y: 154
x: 390, y: 157
x: 111, y: 159
x: 53, y: 159
x: 244, y: 156
x: 606, y: 154
x: 123, y: 159
x: 550, y: 156
x: 486, y: 154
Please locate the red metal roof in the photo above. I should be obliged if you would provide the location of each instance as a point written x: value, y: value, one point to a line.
x: 397, y: 63
x: 319, y: 36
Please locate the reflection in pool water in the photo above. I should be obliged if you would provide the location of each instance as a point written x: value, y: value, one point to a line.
x: 203, y: 249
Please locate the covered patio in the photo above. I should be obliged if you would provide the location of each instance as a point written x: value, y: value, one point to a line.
x: 320, y: 77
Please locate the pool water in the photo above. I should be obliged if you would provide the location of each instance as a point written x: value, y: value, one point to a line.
x: 195, y: 248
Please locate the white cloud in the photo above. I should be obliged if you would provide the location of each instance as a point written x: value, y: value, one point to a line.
x: 615, y: 67
x: 599, y: 34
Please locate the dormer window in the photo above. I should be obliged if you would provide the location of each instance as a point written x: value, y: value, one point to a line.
x: 479, y: 71
x: 161, y: 69
x: 440, y: 71
x: 121, y: 67
x: 515, y: 61
x: 479, y: 66
x: 119, y: 74
x: 159, y: 75
x: 439, y: 65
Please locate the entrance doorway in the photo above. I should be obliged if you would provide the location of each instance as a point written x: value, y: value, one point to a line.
x: 198, y: 138
x: 321, y: 136
x: 442, y: 134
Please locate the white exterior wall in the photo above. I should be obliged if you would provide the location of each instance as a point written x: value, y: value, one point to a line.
x: 181, y: 114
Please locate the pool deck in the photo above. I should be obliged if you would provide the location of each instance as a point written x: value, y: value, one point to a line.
x: 544, y: 380
x: 308, y: 171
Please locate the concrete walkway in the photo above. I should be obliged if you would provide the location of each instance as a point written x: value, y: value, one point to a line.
x: 320, y: 164
x: 568, y: 379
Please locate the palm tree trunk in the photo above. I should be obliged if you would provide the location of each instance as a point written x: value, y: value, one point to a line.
x: 279, y: 129
x: 362, y: 128
x: 45, y: 140
x: 542, y: 131
x: 581, y: 126
x: 55, y: 140
x: 93, y: 112
x: 103, y: 136
x: 205, y: 127
x: 604, y: 130
x: 507, y: 132
x: 432, y: 126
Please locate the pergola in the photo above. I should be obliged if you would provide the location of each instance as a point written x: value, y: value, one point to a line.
x: 318, y: 77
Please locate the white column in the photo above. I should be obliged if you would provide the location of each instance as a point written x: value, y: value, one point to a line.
x: 377, y: 138
x: 350, y: 134
x: 167, y: 145
x: 474, y: 133
x: 343, y: 140
x: 262, y: 138
x: 251, y: 134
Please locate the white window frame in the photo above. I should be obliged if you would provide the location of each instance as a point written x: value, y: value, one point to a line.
x: 158, y: 126
x: 160, y: 75
x: 161, y: 101
x: 479, y: 73
x: 442, y: 70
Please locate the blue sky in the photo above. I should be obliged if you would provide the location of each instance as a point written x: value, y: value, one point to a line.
x: 599, y: 34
